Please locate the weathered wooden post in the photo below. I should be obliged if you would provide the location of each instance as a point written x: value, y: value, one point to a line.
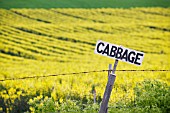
x: 108, y: 90
x: 118, y: 53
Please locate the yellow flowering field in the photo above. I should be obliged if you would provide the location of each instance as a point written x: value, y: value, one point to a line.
x: 42, y: 42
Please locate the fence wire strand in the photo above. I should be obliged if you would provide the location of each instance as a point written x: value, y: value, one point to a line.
x: 77, y: 73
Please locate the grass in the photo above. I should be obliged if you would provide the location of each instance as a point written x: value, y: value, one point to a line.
x: 7, y: 4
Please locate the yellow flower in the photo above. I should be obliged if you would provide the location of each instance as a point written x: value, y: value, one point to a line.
x: 57, y: 104
x: 53, y: 95
x: 38, y: 97
x: 12, y: 101
x: 61, y: 100
x: 13, y: 96
x: 46, y: 98
x: 35, y: 99
x: 32, y: 109
x: 19, y: 92
x: 4, y: 91
x: 41, y: 104
x: 41, y: 96
x: 31, y: 101
x: 6, y: 97
x: 11, y: 91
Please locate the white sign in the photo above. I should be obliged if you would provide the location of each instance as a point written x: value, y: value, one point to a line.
x: 118, y: 52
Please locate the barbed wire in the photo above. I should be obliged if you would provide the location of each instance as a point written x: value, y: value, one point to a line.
x: 77, y: 73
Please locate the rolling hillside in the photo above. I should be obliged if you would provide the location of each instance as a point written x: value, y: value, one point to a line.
x: 41, y: 42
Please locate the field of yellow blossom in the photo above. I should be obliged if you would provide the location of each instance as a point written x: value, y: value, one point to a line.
x: 42, y: 42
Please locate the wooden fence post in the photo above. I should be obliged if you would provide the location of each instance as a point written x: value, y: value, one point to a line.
x: 108, y: 90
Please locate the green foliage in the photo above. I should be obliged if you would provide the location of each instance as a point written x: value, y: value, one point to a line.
x: 43, y: 105
x: 82, y: 3
x: 152, y: 95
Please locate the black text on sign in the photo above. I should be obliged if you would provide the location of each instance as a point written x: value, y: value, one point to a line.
x: 120, y: 53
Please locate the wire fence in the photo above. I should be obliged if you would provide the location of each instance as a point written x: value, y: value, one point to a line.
x: 77, y: 73
x: 123, y: 102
